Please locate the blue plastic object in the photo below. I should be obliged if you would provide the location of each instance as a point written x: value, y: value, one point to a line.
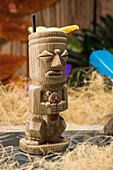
x: 102, y: 60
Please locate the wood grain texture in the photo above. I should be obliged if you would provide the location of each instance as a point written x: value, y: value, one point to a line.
x: 42, y: 149
x: 104, y: 7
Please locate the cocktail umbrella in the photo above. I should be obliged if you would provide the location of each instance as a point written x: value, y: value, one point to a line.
x: 102, y: 60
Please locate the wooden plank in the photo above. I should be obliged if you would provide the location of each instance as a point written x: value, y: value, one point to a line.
x: 107, y: 7
x: 5, y: 46
x: 58, y: 14
x: 104, y: 7
x: 44, y: 14
x: 67, y: 12
x: 63, y: 12
x: 22, y: 46
x: 99, y: 10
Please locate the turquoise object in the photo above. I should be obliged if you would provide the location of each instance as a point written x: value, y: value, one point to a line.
x: 102, y: 60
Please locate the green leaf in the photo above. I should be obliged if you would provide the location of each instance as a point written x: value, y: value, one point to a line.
x: 110, y: 49
x: 78, y: 56
x: 74, y: 45
x: 107, y: 23
x: 104, y: 33
x: 92, y: 34
x: 79, y: 37
x: 110, y: 18
x: 78, y: 60
x: 92, y: 40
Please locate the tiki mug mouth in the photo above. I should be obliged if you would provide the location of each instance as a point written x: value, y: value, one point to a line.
x: 54, y: 74
x: 45, y: 56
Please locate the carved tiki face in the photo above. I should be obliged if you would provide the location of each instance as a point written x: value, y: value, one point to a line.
x: 48, y: 56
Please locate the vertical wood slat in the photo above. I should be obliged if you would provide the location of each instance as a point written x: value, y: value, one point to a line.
x: 104, y: 7
x: 21, y: 48
x: 23, y: 70
x: 99, y: 10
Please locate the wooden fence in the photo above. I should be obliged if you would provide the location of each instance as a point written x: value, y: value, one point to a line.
x: 64, y: 12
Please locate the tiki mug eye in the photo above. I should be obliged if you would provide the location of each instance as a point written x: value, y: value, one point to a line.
x: 45, y: 55
x: 64, y: 55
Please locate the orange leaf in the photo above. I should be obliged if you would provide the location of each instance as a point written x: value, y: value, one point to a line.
x: 25, y: 6
x: 9, y: 64
x: 14, y: 80
x: 13, y: 27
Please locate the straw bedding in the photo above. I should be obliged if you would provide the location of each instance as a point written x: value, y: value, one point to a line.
x: 85, y: 156
x: 90, y: 105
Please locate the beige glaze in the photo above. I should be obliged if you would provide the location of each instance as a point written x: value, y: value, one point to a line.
x: 48, y: 93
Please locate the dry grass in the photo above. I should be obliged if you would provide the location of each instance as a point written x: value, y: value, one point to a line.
x: 91, y: 104
x: 85, y: 156
x: 13, y: 104
x: 88, y: 105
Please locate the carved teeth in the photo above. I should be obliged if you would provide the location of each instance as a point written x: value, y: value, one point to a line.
x: 54, y: 74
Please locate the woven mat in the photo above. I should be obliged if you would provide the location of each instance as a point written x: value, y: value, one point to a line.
x: 73, y: 137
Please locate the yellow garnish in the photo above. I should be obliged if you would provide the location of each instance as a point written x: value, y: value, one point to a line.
x: 66, y: 29
x: 70, y: 28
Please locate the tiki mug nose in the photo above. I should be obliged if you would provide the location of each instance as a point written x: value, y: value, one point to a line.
x: 56, y: 62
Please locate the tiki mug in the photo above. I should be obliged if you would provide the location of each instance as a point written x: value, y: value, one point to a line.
x: 47, y: 93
